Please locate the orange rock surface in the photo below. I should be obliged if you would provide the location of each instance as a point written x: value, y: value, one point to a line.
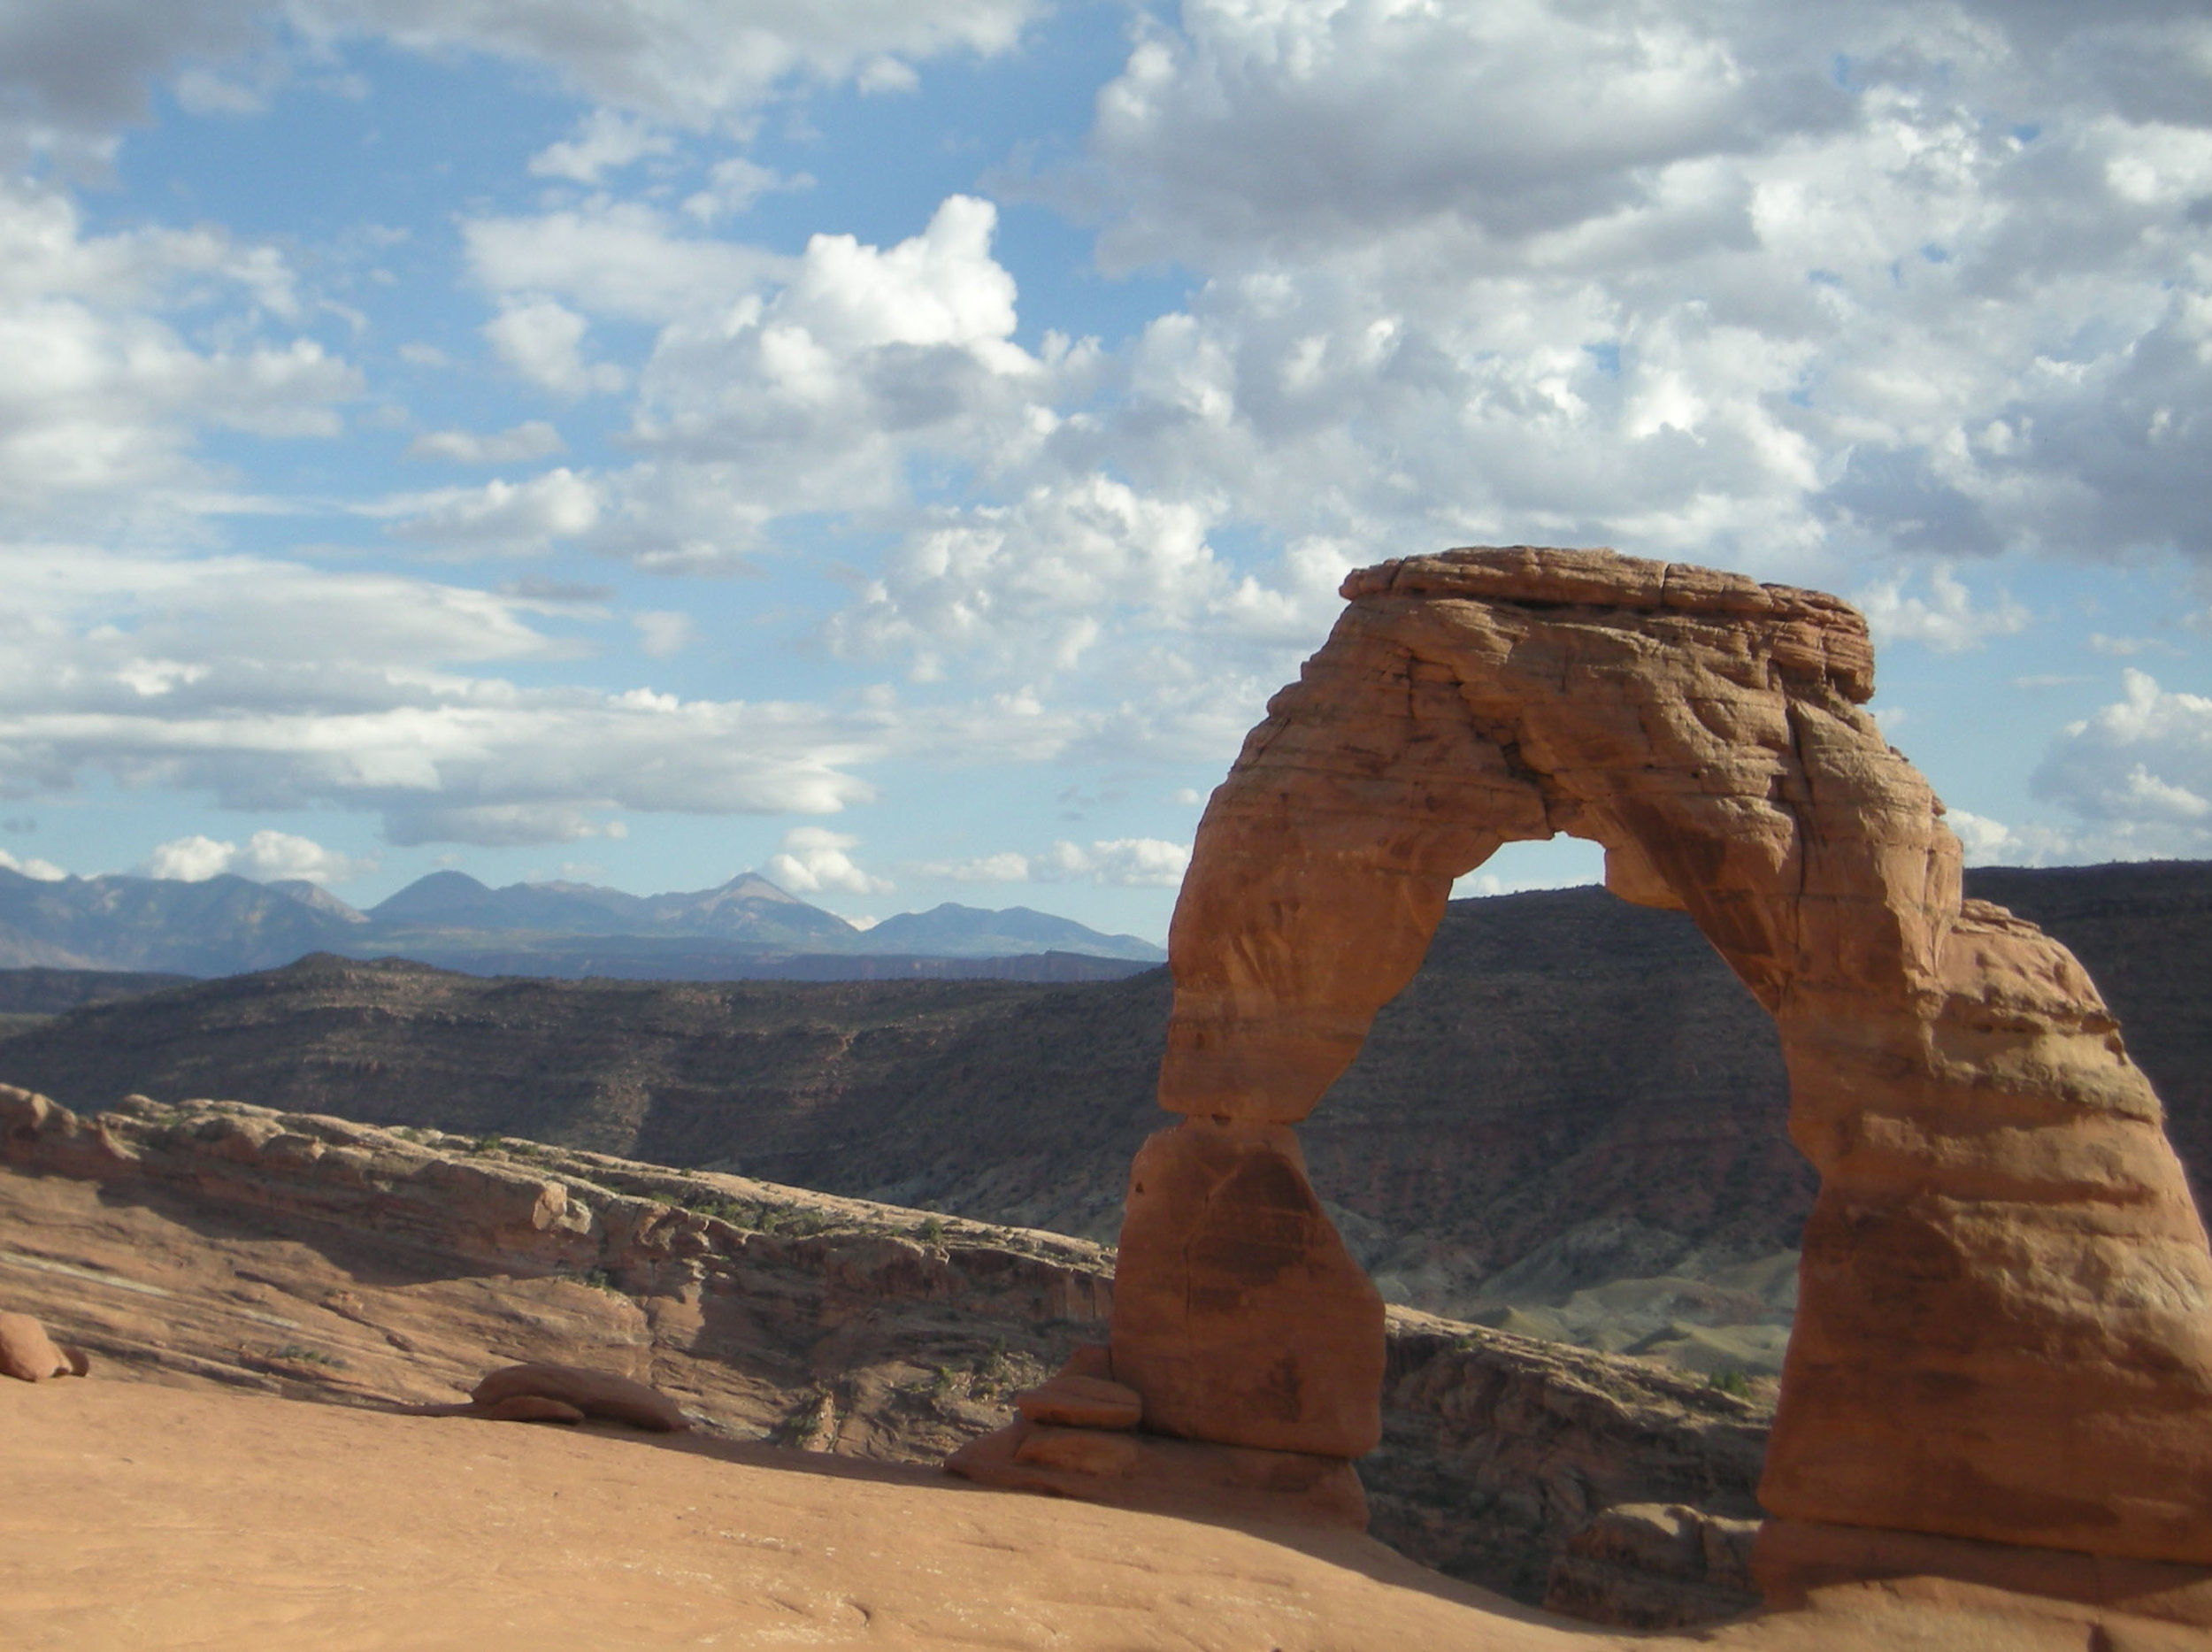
x: 1238, y: 1313
x: 588, y: 1393
x: 28, y: 1354
x: 2005, y: 1323
x: 1080, y: 1401
x: 145, y: 1517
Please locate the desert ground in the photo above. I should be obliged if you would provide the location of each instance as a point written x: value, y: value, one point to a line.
x: 134, y: 1514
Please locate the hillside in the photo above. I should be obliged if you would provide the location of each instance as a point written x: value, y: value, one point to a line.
x: 1572, y: 1092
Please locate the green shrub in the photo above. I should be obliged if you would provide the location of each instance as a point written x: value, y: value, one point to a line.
x: 300, y: 1354
x: 1728, y: 1379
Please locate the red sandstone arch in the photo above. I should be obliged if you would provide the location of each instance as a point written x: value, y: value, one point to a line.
x: 2005, y: 1328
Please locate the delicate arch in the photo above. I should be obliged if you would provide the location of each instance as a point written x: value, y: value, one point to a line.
x: 2004, y: 1321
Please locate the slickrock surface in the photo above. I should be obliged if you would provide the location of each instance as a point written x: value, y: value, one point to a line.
x: 2004, y: 1322
x: 138, y: 1518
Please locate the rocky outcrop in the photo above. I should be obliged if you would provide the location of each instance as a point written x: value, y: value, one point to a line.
x: 1655, y: 1565
x: 1573, y: 1091
x: 536, y: 1209
x: 2004, y: 1322
x: 205, y: 1244
x: 1498, y: 1451
x: 565, y: 1393
x: 28, y: 1354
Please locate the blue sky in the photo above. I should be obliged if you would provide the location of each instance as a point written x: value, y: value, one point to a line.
x: 900, y: 447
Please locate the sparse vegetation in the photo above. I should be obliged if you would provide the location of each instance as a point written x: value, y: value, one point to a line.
x: 600, y: 1280
x: 1730, y: 1379
x: 722, y: 1208
x: 300, y: 1354
x: 811, y: 1426
x: 487, y: 1144
x: 930, y: 1232
x: 792, y: 1222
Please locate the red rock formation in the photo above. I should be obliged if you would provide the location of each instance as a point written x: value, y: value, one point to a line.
x: 2005, y: 1329
x: 1238, y: 1313
x: 574, y: 1389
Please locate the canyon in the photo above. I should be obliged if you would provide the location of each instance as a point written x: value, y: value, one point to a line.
x: 1565, y: 1125
x: 219, y: 1247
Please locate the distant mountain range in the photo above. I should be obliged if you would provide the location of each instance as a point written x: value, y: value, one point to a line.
x: 747, y: 928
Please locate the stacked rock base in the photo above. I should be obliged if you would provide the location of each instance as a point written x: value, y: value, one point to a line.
x: 1080, y: 1436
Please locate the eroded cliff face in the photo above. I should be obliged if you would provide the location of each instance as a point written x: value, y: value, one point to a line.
x: 2004, y: 1322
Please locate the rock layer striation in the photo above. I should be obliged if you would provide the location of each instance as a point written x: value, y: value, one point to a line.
x: 2004, y: 1322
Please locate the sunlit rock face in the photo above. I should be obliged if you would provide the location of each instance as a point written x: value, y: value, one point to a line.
x: 2004, y: 1322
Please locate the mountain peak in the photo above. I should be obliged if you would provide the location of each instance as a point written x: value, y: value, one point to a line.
x: 314, y: 896
x: 440, y: 896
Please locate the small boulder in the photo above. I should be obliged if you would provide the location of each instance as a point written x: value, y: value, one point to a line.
x: 29, y: 1355
x: 591, y: 1392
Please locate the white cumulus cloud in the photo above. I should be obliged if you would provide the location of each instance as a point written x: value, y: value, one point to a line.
x: 278, y: 687
x: 1945, y: 618
x: 816, y: 861
x: 265, y: 857
x: 543, y: 341
x: 605, y: 140
x: 533, y: 439
x: 1127, y: 862
x: 516, y: 517
x: 2140, y: 770
x: 1131, y: 862
x: 39, y: 870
